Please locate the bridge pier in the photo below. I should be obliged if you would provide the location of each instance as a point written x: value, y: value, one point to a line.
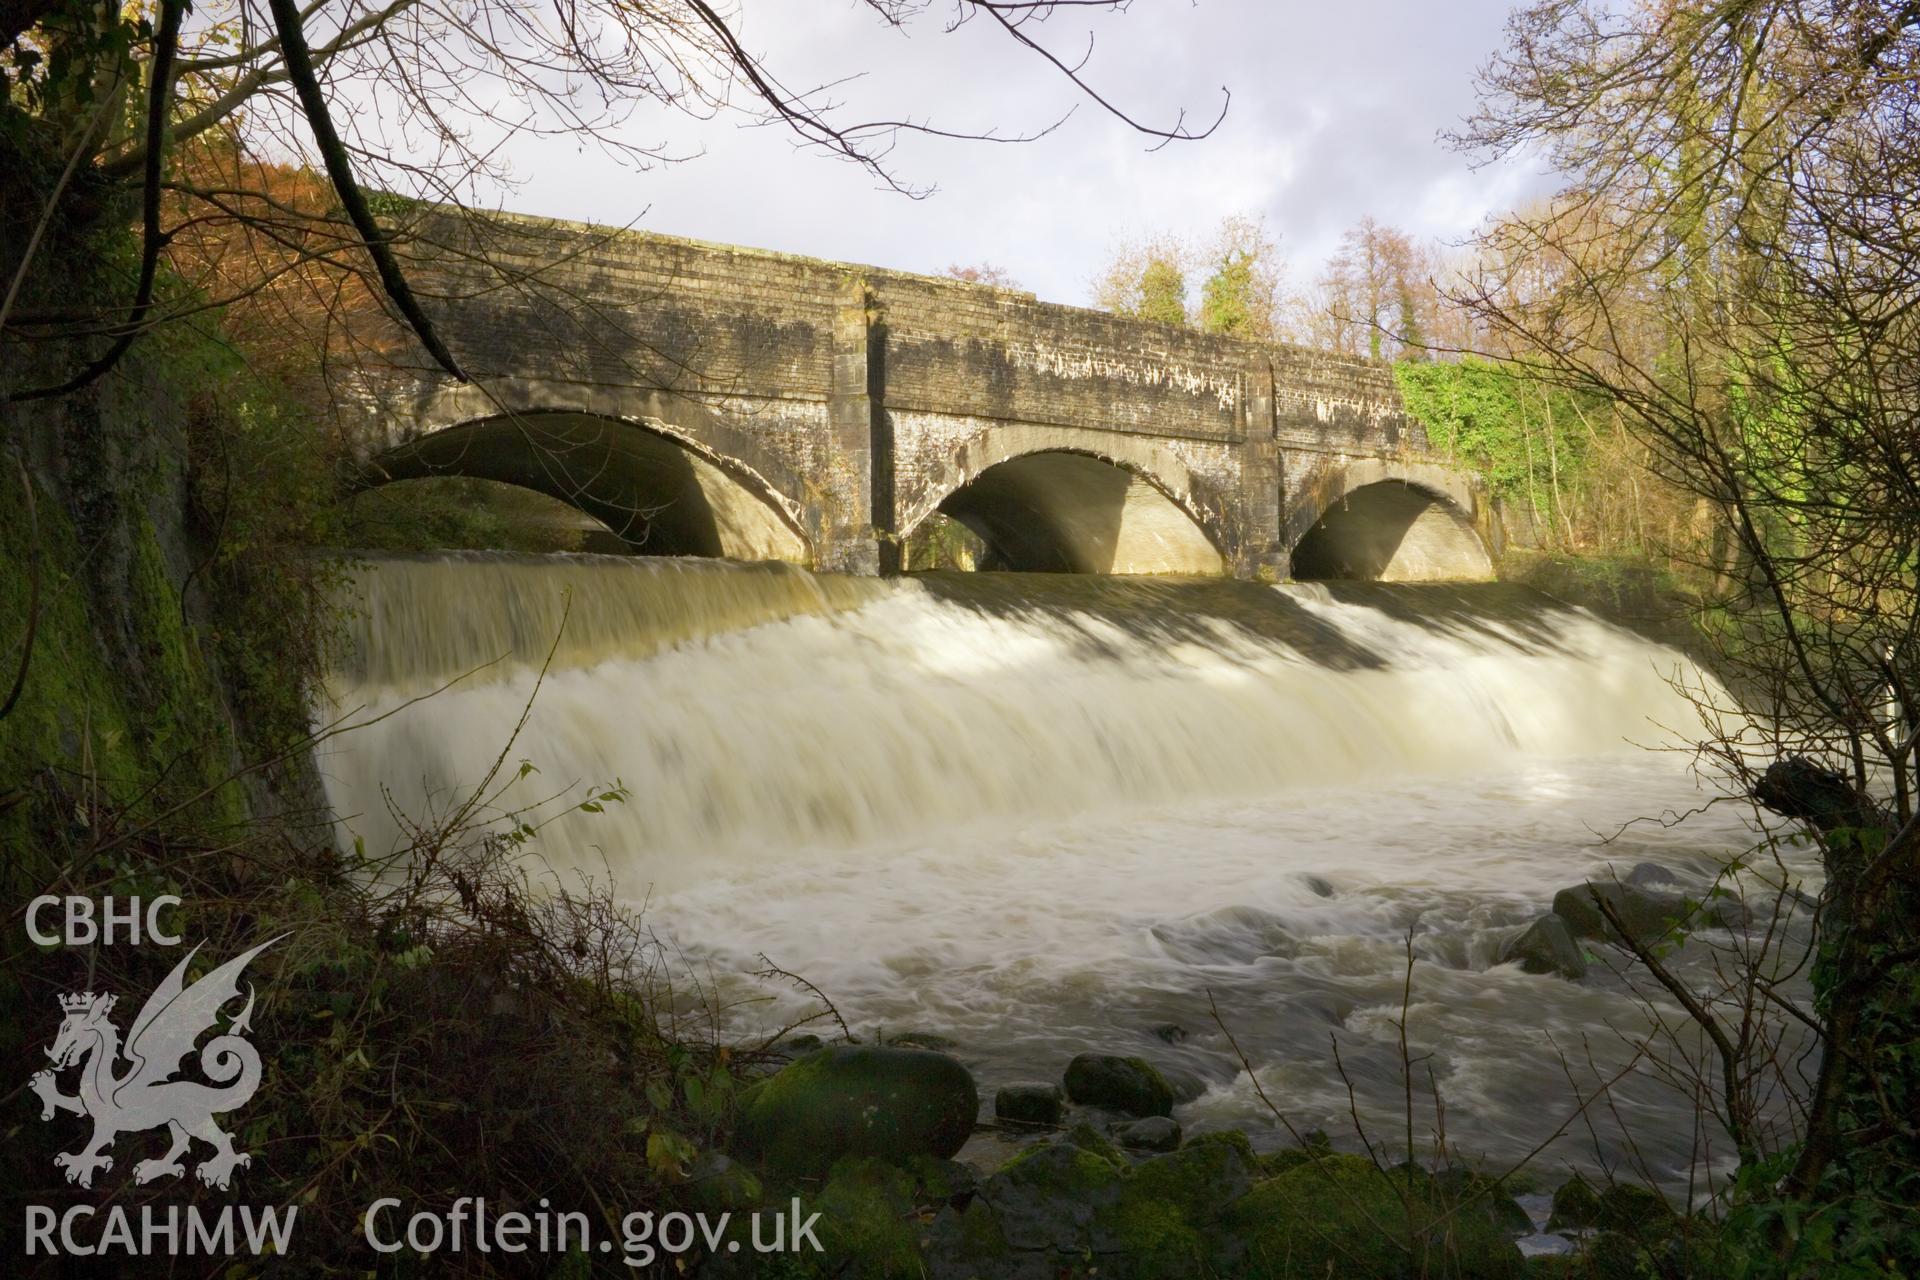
x: 855, y: 532
x: 1262, y: 553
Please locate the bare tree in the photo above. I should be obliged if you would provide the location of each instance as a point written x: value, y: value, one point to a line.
x: 984, y: 273
x: 414, y: 97
x: 1734, y: 264
x: 1376, y: 295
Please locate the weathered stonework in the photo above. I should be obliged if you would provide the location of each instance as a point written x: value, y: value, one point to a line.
x: 854, y: 402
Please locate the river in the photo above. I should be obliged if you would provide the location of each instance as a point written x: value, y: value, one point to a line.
x: 1040, y: 815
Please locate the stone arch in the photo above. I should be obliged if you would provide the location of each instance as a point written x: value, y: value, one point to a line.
x: 1392, y: 523
x: 660, y: 489
x: 1076, y: 506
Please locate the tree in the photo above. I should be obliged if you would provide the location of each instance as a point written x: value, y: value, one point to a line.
x: 97, y: 99
x: 1242, y: 296
x: 1163, y: 293
x: 1146, y: 279
x: 1378, y: 295
x: 1734, y: 264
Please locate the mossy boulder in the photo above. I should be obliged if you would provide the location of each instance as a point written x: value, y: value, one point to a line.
x: 1339, y: 1215
x: 1235, y: 1138
x: 1046, y: 1198
x: 857, y: 1100
x: 1645, y: 914
x: 1636, y: 1210
x: 1063, y: 1208
x: 1314, y: 1143
x: 866, y: 1220
x: 1616, y: 1255
x: 1475, y: 1193
x: 868, y: 1226
x: 1088, y: 1138
x: 1132, y: 1085
x: 1200, y: 1180
x: 718, y: 1183
x: 1576, y: 1206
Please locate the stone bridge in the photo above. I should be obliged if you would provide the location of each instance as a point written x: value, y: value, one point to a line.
x: 707, y: 400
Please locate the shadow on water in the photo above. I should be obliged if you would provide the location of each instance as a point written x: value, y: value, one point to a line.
x: 1171, y: 610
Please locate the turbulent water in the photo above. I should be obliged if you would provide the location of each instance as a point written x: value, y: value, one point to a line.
x: 1044, y: 815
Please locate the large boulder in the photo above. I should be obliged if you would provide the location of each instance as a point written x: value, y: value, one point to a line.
x: 1466, y: 1191
x: 1576, y: 1206
x: 1646, y: 913
x: 1648, y: 874
x: 1132, y: 1085
x: 858, y: 1100
x: 1633, y: 1209
x: 1046, y: 1198
x: 1545, y: 946
x: 869, y: 1220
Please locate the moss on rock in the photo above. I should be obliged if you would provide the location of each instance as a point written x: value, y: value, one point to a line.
x: 856, y: 1100
x: 1341, y: 1216
x: 866, y: 1218
x: 1575, y: 1206
x: 1132, y: 1085
x: 1633, y: 1209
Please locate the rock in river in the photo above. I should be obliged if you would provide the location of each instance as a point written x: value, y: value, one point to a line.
x: 1155, y: 1133
x: 858, y: 1100
x: 1646, y: 914
x: 1132, y: 1085
x: 1546, y: 946
x: 1030, y: 1103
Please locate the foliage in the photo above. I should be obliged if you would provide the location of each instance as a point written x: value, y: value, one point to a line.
x: 1163, y: 293
x: 1146, y: 280
x: 1240, y: 296
x: 1532, y: 441
x: 1376, y: 295
x: 1226, y: 300
x: 941, y: 542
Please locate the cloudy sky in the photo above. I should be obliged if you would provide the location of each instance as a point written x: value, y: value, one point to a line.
x: 1334, y: 114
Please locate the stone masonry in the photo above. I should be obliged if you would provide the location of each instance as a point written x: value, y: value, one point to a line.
x: 853, y: 401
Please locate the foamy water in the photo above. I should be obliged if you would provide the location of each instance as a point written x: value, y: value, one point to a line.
x: 1041, y: 818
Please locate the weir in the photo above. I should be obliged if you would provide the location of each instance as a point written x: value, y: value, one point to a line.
x: 766, y: 705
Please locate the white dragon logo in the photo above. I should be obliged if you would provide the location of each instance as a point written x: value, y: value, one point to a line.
x: 143, y: 1097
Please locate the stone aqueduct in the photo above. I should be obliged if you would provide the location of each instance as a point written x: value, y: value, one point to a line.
x: 702, y: 399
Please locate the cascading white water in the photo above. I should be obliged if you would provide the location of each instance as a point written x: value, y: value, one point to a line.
x: 1040, y: 816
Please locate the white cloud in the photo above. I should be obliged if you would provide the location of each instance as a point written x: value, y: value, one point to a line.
x: 1334, y: 116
